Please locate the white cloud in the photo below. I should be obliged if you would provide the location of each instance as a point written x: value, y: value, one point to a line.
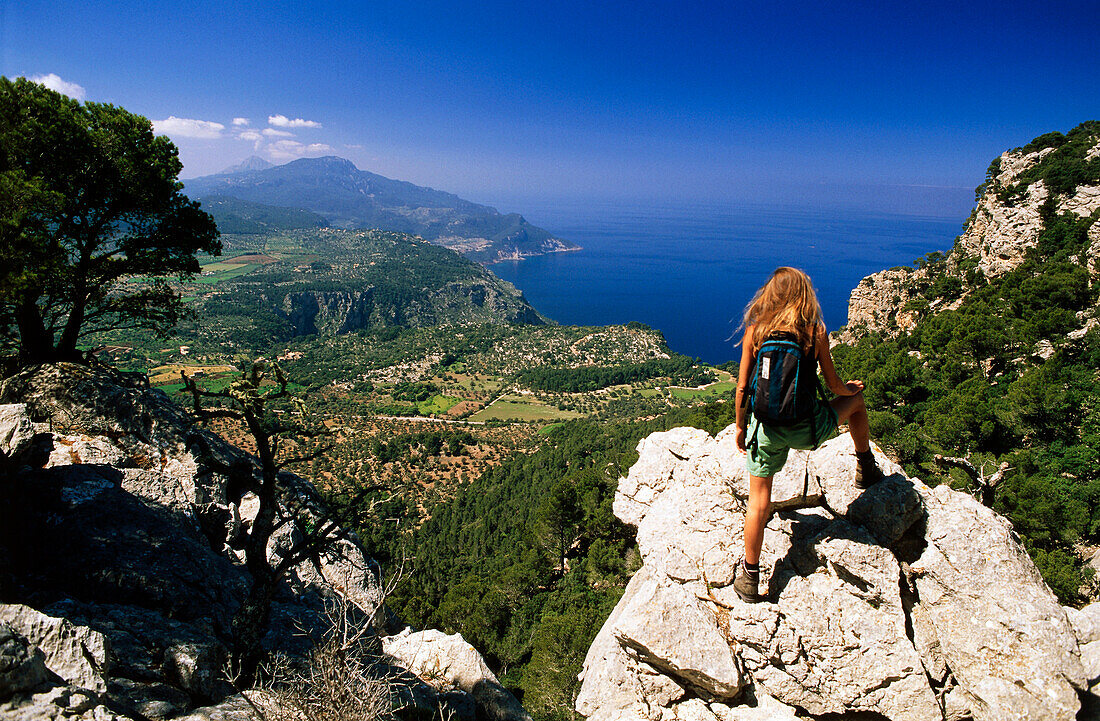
x: 290, y: 149
x: 54, y: 82
x: 273, y: 133
x: 188, y: 128
x: 282, y: 121
x: 252, y: 135
x: 241, y: 121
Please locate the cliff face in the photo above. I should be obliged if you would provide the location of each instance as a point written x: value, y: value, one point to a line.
x: 334, y: 312
x: 996, y: 239
x: 121, y: 564
x: 900, y: 602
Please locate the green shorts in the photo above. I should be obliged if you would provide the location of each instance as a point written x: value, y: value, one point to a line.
x: 768, y: 454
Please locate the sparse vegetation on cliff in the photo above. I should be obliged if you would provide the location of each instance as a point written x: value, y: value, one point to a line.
x: 1002, y: 369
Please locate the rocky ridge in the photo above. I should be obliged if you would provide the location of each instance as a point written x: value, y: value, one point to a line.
x: 995, y: 241
x: 351, y: 198
x: 901, y: 602
x: 121, y: 564
x: 344, y: 311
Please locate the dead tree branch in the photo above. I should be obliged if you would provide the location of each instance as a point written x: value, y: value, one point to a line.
x: 987, y: 484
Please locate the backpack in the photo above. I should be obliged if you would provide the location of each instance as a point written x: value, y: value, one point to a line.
x: 785, y: 387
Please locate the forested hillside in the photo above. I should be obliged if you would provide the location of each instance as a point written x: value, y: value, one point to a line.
x: 996, y: 359
x: 528, y: 560
x: 273, y: 285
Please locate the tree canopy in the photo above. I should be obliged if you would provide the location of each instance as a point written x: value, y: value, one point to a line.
x: 93, y: 223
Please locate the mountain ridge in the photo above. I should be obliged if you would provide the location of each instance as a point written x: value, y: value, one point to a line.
x: 348, y: 197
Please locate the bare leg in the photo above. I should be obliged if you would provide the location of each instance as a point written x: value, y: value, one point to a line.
x: 853, y: 410
x: 756, y: 516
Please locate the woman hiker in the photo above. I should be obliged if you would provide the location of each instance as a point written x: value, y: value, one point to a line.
x: 785, y: 341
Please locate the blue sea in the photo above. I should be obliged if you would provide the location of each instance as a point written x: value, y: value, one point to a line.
x: 690, y: 270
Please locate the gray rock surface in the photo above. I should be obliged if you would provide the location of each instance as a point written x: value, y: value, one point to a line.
x: 16, y: 430
x: 616, y: 686
x: 1001, y: 631
x: 119, y: 530
x: 667, y: 627
x: 448, y: 663
x: 22, y: 664
x: 80, y: 656
x: 897, y: 602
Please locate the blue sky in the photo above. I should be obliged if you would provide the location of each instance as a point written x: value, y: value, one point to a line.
x: 889, y: 106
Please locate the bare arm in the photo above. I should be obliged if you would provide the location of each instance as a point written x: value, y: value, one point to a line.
x: 743, y: 377
x: 825, y: 360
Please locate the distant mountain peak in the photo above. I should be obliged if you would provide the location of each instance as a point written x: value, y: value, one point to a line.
x: 348, y: 197
x: 328, y: 160
x: 255, y: 162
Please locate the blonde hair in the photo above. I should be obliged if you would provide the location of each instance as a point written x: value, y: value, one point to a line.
x: 787, y: 302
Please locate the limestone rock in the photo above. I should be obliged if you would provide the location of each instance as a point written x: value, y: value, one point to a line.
x: 667, y: 627
x: 693, y: 530
x: 997, y: 237
x: 616, y: 686
x: 763, y: 708
x: 694, y: 709
x: 141, y: 615
x: 848, y: 616
x: 1085, y: 622
x: 22, y: 664
x: 16, y: 430
x: 234, y: 708
x: 60, y: 703
x: 153, y: 700
x: 887, y: 509
x: 80, y: 656
x: 1001, y: 630
x: 449, y: 662
x: 894, y: 602
x: 645, y: 482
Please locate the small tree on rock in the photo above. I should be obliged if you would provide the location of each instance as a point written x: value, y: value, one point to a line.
x: 89, y: 199
x: 281, y: 427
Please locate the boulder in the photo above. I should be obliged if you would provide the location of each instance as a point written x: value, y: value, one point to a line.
x: 16, y: 430
x: 1001, y: 630
x: 80, y: 656
x: 450, y: 663
x: 841, y: 643
x: 667, y: 627
x: 693, y: 530
x: 648, y: 478
x: 761, y: 707
x: 22, y: 664
x: 616, y: 686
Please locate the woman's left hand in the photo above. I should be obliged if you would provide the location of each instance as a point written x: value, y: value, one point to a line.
x: 741, y: 440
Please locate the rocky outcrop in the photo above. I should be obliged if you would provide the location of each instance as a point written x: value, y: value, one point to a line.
x: 120, y: 555
x: 995, y: 241
x: 449, y: 663
x: 901, y: 602
x: 344, y: 311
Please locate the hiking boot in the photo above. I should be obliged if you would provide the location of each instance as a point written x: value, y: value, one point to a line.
x: 867, y: 471
x: 747, y: 585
